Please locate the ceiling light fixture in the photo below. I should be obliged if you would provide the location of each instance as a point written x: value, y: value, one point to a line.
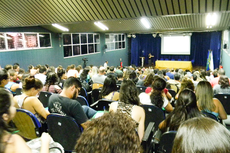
x: 134, y: 36
x: 211, y: 20
x: 100, y: 25
x: 154, y: 35
x: 145, y: 22
x: 60, y: 27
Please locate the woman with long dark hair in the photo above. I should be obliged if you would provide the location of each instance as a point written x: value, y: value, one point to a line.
x: 185, y: 109
x: 129, y: 104
x: 109, y: 89
x: 51, y: 84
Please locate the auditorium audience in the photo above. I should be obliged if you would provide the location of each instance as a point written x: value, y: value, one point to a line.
x: 109, y: 89
x: 215, y: 80
x: 11, y: 142
x: 201, y: 135
x: 185, y: 109
x: 29, y: 101
x: 42, y: 74
x: 129, y: 104
x: 61, y: 77
x: 206, y: 102
x: 100, y: 77
x: 110, y: 133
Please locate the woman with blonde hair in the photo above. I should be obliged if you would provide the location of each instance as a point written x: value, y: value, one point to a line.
x: 206, y: 102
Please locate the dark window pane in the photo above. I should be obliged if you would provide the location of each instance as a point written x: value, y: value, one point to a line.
x: 119, y: 37
x: 44, y: 40
x: 96, y: 38
x: 83, y: 49
x: 116, y: 45
x: 31, y: 40
x: 67, y: 51
x: 97, y: 48
x: 76, y: 50
x: 116, y: 37
x: 90, y: 38
x: 123, y: 37
x: 76, y: 39
x: 2, y: 42
x: 83, y: 38
x: 90, y: 48
x: 66, y: 39
x: 123, y: 44
x: 120, y: 45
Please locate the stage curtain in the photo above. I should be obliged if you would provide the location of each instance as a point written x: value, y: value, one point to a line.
x: 201, y: 42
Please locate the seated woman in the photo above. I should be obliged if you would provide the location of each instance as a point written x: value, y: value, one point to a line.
x: 11, y: 85
x: 13, y: 143
x: 206, y: 102
x: 51, y: 84
x: 119, y: 129
x: 185, y: 84
x: 61, y: 77
x: 109, y: 89
x: 186, y: 108
x: 85, y: 79
x: 128, y: 103
x: 223, y: 86
x: 157, y: 96
x: 201, y: 134
x: 28, y: 100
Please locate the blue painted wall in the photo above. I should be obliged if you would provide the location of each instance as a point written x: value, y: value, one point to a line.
x: 54, y: 56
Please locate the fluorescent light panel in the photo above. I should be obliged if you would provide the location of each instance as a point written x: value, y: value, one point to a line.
x: 100, y: 25
x: 60, y: 27
x: 211, y: 20
x: 145, y: 22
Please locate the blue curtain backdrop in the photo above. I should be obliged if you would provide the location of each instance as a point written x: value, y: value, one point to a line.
x: 201, y: 42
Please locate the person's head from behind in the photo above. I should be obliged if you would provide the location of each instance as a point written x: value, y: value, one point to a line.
x: 72, y: 85
x: 13, y: 74
x: 43, y: 69
x: 109, y: 85
x: 7, y: 109
x: 84, y: 73
x: 224, y: 82
x: 187, y: 83
x: 204, y: 95
x: 51, y: 78
x: 111, y: 68
x: 194, y: 77
x: 4, y: 78
x: 129, y: 93
x: 119, y: 75
x: 32, y: 84
x: 201, y: 135
x: 61, y: 72
x: 149, y: 79
x: 186, y: 108
x: 221, y: 72
x: 110, y: 133
x: 158, y: 84
x: 177, y: 76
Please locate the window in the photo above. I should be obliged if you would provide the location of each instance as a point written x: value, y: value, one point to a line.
x: 115, y: 41
x: 75, y: 44
x: 19, y: 41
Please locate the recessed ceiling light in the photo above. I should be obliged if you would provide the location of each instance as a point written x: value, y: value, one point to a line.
x: 100, y: 25
x: 60, y: 27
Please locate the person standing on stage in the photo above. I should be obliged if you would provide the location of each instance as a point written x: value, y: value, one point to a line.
x: 150, y: 59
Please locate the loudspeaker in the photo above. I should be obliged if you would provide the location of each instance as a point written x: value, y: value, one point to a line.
x: 225, y: 46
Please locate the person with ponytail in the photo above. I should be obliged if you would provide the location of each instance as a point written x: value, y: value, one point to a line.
x: 51, y: 84
x: 13, y: 143
x: 28, y: 100
x: 185, y: 109
x: 158, y: 96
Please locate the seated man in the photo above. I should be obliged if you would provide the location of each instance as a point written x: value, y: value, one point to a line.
x: 66, y: 105
x: 100, y: 77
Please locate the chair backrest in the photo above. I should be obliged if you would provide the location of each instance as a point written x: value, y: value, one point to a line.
x: 141, y: 89
x: 83, y: 92
x: 28, y: 125
x: 101, y: 104
x: 166, y: 142
x: 96, y: 86
x: 44, y: 98
x: 82, y: 100
x: 225, y: 100
x: 174, y: 87
x: 147, y: 143
x: 95, y: 94
x: 172, y: 92
x: 64, y: 130
x: 18, y: 91
x: 153, y: 114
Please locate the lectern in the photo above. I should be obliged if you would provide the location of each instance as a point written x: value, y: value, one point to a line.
x: 142, y: 61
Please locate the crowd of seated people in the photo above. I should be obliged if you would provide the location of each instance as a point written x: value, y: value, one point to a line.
x: 194, y: 93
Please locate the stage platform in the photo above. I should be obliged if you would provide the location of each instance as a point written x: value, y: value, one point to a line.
x: 184, y: 65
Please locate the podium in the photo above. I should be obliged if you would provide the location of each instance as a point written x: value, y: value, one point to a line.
x: 142, y: 61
